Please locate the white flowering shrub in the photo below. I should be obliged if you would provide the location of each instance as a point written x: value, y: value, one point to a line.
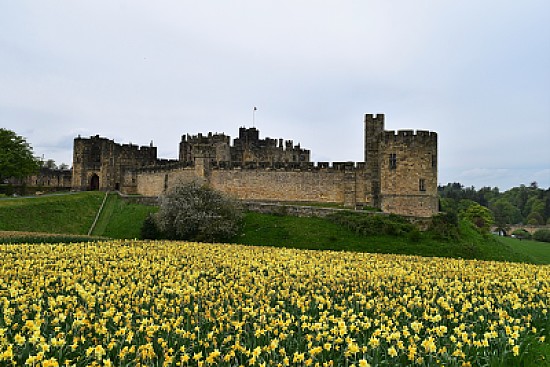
x: 195, y: 212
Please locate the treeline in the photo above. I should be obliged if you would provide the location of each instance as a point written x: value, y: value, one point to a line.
x: 527, y: 205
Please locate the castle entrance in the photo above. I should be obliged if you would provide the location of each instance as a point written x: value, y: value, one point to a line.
x: 94, y: 182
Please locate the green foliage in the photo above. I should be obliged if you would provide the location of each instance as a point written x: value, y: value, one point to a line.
x: 323, y: 234
x: 444, y: 227
x: 372, y: 224
x: 479, y: 216
x: 149, y: 229
x: 505, y: 212
x: 519, y: 205
x: 535, y: 219
x: 196, y: 212
x: 521, y: 233
x: 16, y: 159
x: 415, y: 235
x: 542, y: 235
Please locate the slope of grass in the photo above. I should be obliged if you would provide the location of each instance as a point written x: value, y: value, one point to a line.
x: 120, y: 219
x: 74, y: 213
x: 319, y: 233
x: 538, y: 252
x: 68, y: 214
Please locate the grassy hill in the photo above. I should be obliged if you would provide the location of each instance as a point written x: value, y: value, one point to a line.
x: 121, y: 219
x: 319, y: 233
x: 73, y: 214
x: 68, y: 213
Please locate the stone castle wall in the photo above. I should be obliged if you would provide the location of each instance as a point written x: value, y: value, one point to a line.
x: 408, y: 172
x: 340, y: 183
x: 274, y: 185
x: 399, y: 174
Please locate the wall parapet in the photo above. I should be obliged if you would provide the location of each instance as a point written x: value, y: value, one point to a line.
x: 290, y: 166
x: 410, y: 136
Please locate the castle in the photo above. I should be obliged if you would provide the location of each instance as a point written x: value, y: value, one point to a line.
x: 398, y: 175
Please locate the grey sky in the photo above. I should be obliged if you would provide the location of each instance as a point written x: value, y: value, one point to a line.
x: 476, y: 72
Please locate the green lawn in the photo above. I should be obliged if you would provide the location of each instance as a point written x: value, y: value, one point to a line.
x: 70, y: 213
x: 74, y: 214
x: 321, y: 234
x: 538, y: 252
x: 120, y: 219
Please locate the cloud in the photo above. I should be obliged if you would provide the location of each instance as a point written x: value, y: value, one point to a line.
x: 475, y: 72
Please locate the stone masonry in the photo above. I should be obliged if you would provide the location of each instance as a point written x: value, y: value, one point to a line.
x: 399, y: 174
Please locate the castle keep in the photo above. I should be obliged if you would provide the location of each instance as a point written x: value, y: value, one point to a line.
x: 398, y: 175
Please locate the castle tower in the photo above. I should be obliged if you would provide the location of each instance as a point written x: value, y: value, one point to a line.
x: 408, y: 173
x: 101, y: 164
x: 374, y: 128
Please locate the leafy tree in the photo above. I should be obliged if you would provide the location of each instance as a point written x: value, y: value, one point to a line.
x: 50, y: 163
x: 480, y: 216
x: 535, y: 219
x: 195, y: 212
x: 16, y: 159
x: 542, y: 235
x: 505, y: 213
x: 518, y: 205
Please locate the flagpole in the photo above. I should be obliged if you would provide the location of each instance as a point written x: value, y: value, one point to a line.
x: 254, y: 117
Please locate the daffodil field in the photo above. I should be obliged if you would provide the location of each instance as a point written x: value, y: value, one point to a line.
x: 132, y: 303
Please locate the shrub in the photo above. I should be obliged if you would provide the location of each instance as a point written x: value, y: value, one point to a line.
x: 372, y: 224
x: 444, y: 226
x: 521, y: 233
x: 542, y: 235
x: 195, y: 212
x: 149, y: 229
x: 478, y: 215
x: 415, y: 235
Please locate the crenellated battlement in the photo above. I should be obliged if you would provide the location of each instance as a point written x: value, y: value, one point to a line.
x: 375, y: 118
x: 410, y: 137
x: 211, y: 138
x: 169, y: 165
x: 98, y: 140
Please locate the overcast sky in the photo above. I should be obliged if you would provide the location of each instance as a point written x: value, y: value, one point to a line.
x: 476, y: 72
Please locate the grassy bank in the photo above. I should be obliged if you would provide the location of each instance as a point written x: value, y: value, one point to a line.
x: 319, y: 233
x: 71, y: 213
x: 538, y: 252
x: 121, y: 219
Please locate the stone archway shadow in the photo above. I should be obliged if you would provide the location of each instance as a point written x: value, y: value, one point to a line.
x: 94, y: 182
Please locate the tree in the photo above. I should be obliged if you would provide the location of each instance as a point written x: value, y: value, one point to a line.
x: 196, y: 212
x: 480, y: 216
x: 50, y: 163
x: 16, y: 159
x: 505, y: 213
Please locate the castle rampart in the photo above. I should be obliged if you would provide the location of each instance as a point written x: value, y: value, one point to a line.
x: 399, y: 174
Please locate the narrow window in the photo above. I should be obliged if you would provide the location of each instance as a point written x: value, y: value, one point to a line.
x: 393, y: 161
x: 434, y: 161
x: 422, y: 184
